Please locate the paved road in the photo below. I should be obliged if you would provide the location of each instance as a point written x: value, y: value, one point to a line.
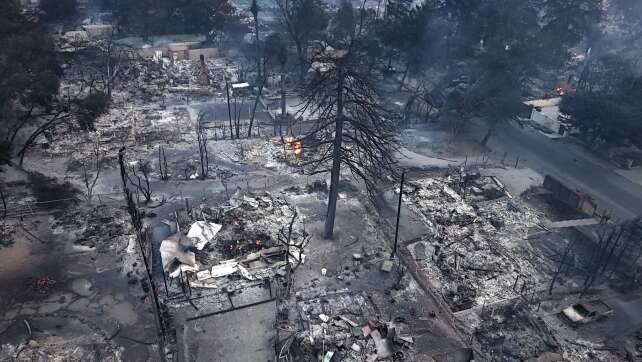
x: 573, y: 166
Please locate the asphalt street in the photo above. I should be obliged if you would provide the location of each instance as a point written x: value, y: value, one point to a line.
x: 572, y: 165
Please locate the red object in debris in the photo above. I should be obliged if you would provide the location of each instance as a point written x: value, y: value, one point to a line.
x: 366, y: 331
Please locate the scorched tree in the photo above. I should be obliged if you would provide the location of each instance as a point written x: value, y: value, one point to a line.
x: 352, y: 129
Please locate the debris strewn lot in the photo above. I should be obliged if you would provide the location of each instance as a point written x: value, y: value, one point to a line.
x: 474, y: 252
x: 236, y: 256
x: 491, y: 256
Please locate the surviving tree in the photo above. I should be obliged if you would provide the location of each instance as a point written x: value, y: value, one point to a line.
x: 254, y: 9
x: 31, y: 75
x: 56, y: 10
x: 500, y: 42
x: 606, y: 106
x: 277, y: 54
x: 566, y: 23
x: 304, y: 20
x: 168, y: 16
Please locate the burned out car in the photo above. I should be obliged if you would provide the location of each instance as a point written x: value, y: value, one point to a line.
x: 586, y: 312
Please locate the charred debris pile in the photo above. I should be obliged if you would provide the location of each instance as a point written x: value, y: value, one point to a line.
x: 343, y: 325
x: 219, y: 250
x: 474, y: 251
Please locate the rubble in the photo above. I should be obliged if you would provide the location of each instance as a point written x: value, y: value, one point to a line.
x: 514, y: 334
x: 470, y: 250
x: 348, y: 326
x: 474, y: 251
x: 241, y: 242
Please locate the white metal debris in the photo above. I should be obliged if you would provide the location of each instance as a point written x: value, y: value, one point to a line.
x: 204, y: 232
x: 241, y: 85
x: 225, y: 268
x: 174, y: 249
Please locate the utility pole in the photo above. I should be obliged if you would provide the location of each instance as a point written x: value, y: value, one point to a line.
x: 394, y: 250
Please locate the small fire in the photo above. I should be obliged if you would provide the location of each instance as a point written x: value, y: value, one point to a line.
x: 289, y: 140
x: 295, y: 143
x: 560, y: 90
x: 258, y: 242
x: 297, y: 148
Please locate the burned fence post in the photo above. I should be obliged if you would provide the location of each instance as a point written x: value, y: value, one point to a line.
x: 180, y: 278
x: 141, y: 236
x: 229, y: 108
x: 394, y: 250
x: 189, y: 286
x: 165, y: 282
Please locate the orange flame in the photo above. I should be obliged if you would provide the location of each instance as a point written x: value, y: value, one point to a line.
x: 289, y: 140
x: 297, y: 148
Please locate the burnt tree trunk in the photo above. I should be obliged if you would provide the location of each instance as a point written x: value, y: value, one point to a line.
x: 560, y: 267
x: 53, y: 122
x: 488, y: 134
x: 405, y: 74
x: 256, y: 103
x: 4, y: 204
x: 258, y: 45
x: 336, y: 162
x: 302, y: 60
x: 283, y: 108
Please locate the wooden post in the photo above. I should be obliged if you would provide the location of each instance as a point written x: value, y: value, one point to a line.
x: 229, y: 108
